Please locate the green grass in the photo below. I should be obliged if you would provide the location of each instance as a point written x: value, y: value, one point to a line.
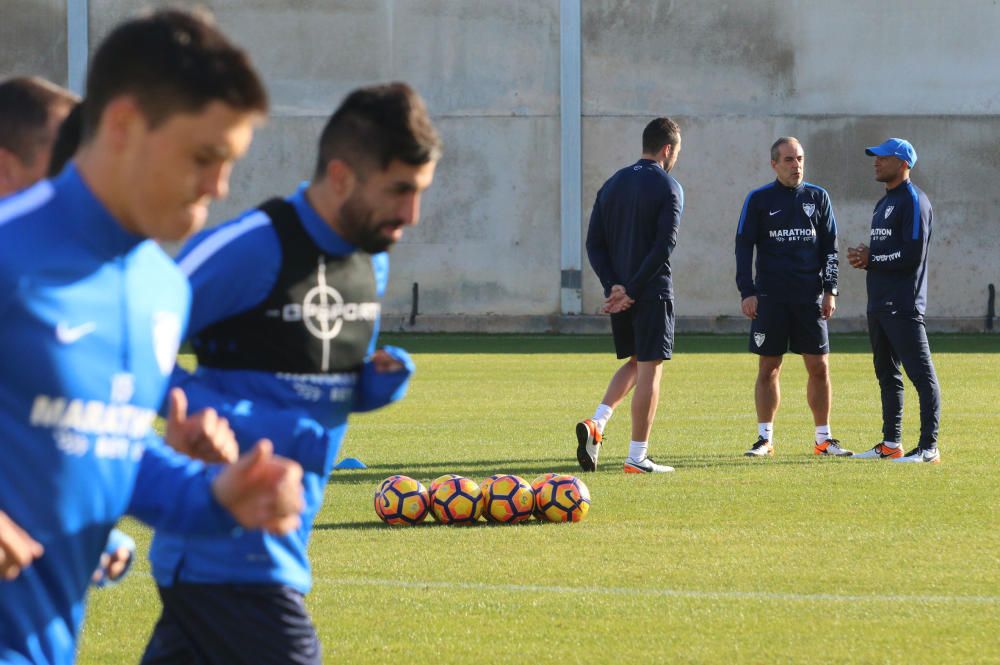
x: 795, y: 559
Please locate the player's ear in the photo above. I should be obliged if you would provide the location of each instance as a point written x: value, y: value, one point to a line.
x: 121, y: 119
x: 10, y: 166
x: 341, y: 178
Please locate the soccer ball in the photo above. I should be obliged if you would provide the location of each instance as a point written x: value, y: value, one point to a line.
x: 484, y: 487
x: 536, y: 487
x: 564, y: 499
x: 401, y: 500
x: 457, y: 501
x: 508, y: 499
x: 436, y: 483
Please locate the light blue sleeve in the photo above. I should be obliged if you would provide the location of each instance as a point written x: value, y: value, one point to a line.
x: 231, y: 268
x: 174, y: 493
x: 378, y: 389
x: 116, y: 539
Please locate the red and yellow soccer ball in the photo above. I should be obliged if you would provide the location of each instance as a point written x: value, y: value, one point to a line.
x: 563, y: 498
x: 457, y: 501
x: 507, y: 499
x: 401, y: 500
x: 484, y: 487
x: 536, y: 487
x: 436, y: 483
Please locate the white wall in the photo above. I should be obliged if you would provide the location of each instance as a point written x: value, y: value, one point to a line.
x: 736, y: 75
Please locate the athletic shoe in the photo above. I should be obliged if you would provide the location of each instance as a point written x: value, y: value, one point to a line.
x: 924, y: 455
x: 645, y: 465
x: 880, y: 451
x: 832, y: 448
x: 588, y: 439
x: 762, y: 448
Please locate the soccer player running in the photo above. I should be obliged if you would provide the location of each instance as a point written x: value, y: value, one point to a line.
x: 284, y: 319
x: 632, y: 233
x: 93, y: 313
x: 791, y: 224
x: 897, y: 299
x: 33, y: 113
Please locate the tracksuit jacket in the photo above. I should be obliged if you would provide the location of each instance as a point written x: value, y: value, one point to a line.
x: 92, y: 318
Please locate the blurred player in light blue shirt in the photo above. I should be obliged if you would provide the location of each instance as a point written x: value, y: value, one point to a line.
x: 93, y: 314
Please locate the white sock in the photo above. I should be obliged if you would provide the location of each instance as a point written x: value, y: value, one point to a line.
x: 823, y: 433
x: 891, y: 444
x: 766, y: 430
x: 602, y: 414
x: 637, y: 450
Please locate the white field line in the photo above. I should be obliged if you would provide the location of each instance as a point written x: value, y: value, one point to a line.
x: 669, y: 593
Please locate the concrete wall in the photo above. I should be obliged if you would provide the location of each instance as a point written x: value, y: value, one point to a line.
x: 840, y: 76
x: 33, y: 39
x: 736, y: 75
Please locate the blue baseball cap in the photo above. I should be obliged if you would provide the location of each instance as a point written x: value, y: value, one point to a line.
x: 900, y: 148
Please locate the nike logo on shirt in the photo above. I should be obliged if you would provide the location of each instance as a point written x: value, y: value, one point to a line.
x: 68, y: 334
x: 772, y: 213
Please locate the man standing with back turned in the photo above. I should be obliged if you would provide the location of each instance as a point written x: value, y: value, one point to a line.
x: 632, y: 233
x: 897, y: 298
x: 791, y: 224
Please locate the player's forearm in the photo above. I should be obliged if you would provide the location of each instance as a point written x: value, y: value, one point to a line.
x: 906, y: 258
x: 744, y: 270
x: 650, y: 267
x: 173, y: 493
x: 831, y: 271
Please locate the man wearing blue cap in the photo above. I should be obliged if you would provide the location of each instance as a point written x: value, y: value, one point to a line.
x: 897, y: 297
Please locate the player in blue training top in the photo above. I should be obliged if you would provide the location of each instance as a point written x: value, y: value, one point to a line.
x: 791, y: 224
x: 632, y: 233
x: 284, y: 322
x: 897, y: 299
x: 31, y: 111
x: 93, y: 312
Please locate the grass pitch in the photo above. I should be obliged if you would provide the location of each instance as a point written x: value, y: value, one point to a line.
x: 728, y: 560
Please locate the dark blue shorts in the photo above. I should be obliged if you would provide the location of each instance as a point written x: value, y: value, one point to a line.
x: 781, y: 326
x: 645, y: 330
x: 230, y: 624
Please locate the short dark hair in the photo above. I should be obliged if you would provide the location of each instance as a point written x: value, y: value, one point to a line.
x: 776, y: 146
x: 171, y: 61
x: 658, y: 133
x: 67, y: 140
x: 379, y: 124
x: 25, y: 103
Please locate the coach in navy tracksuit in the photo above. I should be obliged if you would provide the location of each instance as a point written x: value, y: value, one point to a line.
x: 897, y: 298
x: 632, y: 233
x: 791, y: 224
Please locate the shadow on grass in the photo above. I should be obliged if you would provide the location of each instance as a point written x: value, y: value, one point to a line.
x: 529, y: 469
x: 426, y: 524
x: 445, y: 343
x: 473, y: 469
x: 718, y: 462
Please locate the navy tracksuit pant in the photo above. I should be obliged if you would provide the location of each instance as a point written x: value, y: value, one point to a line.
x: 902, y: 339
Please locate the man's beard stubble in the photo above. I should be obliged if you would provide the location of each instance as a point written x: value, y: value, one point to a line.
x: 360, y: 229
